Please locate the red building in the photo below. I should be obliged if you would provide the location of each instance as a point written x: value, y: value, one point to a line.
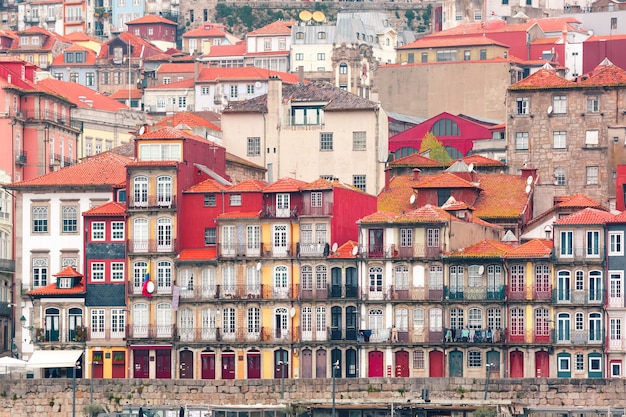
x: 597, y: 48
x: 155, y: 29
x: 457, y: 133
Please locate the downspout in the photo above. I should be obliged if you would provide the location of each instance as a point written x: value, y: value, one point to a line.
x: 376, y: 147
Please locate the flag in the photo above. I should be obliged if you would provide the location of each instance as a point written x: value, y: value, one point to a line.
x: 146, y: 280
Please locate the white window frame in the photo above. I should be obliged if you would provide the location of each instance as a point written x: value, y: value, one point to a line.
x: 97, y: 272
x: 98, y: 231
x: 616, y: 243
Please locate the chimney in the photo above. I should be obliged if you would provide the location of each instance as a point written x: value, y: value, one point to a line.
x: 274, y: 93
x: 196, y: 70
x: 416, y: 174
x: 387, y: 178
x: 300, y: 74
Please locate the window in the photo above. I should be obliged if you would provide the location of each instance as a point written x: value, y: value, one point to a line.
x: 615, y: 329
x: 316, y: 199
x: 558, y: 139
x: 559, y: 104
x: 406, y: 238
x: 343, y: 68
x: 359, y: 141
x: 299, y: 35
x: 164, y: 276
x: 592, y: 104
x: 167, y: 80
x: 592, y: 175
x: 70, y: 219
x: 97, y: 271
x: 117, y: 271
x: 593, y: 243
x: 483, y: 54
x: 40, y: 272
x: 446, y: 55
x: 234, y: 91
x: 614, y: 23
x: 326, y: 141
x: 321, y: 35
x: 559, y: 176
x: 210, y: 200
x: 616, y: 245
x: 282, y: 44
x: 359, y: 182
x: 424, y: 57
x: 418, y: 359
x: 563, y: 361
x: 250, y: 88
x: 521, y: 140
x: 321, y: 56
x: 467, y: 55
x: 591, y: 137
x: 182, y: 102
x: 299, y: 56
x: 97, y: 230
x: 235, y: 200
x: 90, y: 79
x: 210, y: 236
x: 580, y: 362
x: 567, y: 243
x: 432, y: 238
x: 254, y: 146
x: 474, y: 359
x: 117, y: 230
x: 40, y: 219
x: 205, y: 91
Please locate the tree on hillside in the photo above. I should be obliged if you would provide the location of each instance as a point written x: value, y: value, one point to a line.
x: 435, y: 149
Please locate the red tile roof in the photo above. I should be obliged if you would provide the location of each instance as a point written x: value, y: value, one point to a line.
x: 345, y: 250
x: 208, y: 30
x: 184, y: 84
x: 416, y: 160
x: 278, y: 27
x: 197, y: 254
x: 68, y: 271
x: 206, y: 186
x: 176, y: 68
x: 140, y: 48
x: 236, y: 50
x: 161, y: 164
x: 248, y: 185
x: 80, y: 95
x: 188, y: 119
x: 578, y: 200
x: 536, y: 248
x: 239, y: 215
x: 444, y: 180
x: 587, y: 216
x: 123, y: 94
x: 104, y: 169
x: 172, y: 133
x: 397, y: 196
x: 89, y: 61
x: 112, y: 208
x: 52, y: 290
x: 542, y: 79
x: 498, y: 202
x: 484, y: 249
x: 244, y: 73
x: 324, y: 184
x: 618, y: 218
x: 285, y: 185
x: 605, y: 74
x: 80, y: 37
x: 151, y: 18
x: 482, y: 161
x: 428, y: 42
x: 424, y: 214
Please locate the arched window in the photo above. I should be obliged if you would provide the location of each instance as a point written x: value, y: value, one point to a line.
x: 208, y: 283
x: 139, y: 273
x: 140, y: 235
x: 445, y: 127
x: 475, y: 318
x: 164, y: 319
x: 320, y: 277
x: 343, y: 68
x: 401, y: 277
x: 164, y: 234
x: 185, y: 281
x: 164, y: 191
x: 164, y: 276
x: 186, y: 324
x: 140, y: 192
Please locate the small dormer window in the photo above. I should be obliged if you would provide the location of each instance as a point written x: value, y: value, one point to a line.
x: 69, y: 57
x: 321, y: 35
x: 80, y: 57
x: 65, y: 282
x: 35, y: 40
x: 24, y: 40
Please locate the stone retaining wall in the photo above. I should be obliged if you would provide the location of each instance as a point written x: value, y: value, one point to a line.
x: 53, y: 397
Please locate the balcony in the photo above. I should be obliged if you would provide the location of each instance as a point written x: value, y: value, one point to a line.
x: 523, y: 294
x: 107, y: 334
x: 151, y: 246
x: 78, y: 335
x: 478, y: 335
x: 475, y: 293
x: 158, y: 290
x: 340, y: 291
x: 7, y: 265
x: 234, y: 335
x: 563, y: 296
x: 152, y: 202
x: 539, y: 336
x: 578, y: 253
x: 151, y: 332
x: 314, y: 335
x: 578, y: 337
x: 271, y: 212
x: 394, y: 251
x: 20, y: 158
x: 239, y: 250
x: 311, y: 293
x: 220, y: 292
x: 325, y: 209
x: 49, y: 116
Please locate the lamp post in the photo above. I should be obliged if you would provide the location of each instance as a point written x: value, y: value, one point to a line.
x: 76, y: 367
x: 488, y: 366
x: 282, y: 378
x: 335, y: 367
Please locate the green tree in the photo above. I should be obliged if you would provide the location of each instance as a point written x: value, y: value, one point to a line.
x: 485, y: 412
x: 435, y: 149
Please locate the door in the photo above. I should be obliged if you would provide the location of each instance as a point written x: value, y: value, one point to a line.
x: 254, y: 364
x: 376, y: 364
x: 595, y: 327
x: 140, y: 192
x: 402, y: 364
x: 563, y: 283
x: 186, y: 364
x: 164, y: 364
x: 229, y: 240
x: 280, y: 324
x: 351, y: 369
x: 281, y: 364
x: 118, y: 365
x: 52, y: 325
x: 375, y: 248
x: 320, y: 364
x: 456, y: 363
x: 542, y: 364
x: 352, y: 287
x: 351, y: 320
x: 228, y: 365
x: 279, y: 240
x: 306, y: 359
x: 335, y: 282
x: 435, y: 361
x: 97, y: 364
x: 208, y: 365
x: 335, y: 323
x: 140, y: 235
x: 517, y: 364
x: 282, y: 205
x: 141, y: 364
x: 493, y: 358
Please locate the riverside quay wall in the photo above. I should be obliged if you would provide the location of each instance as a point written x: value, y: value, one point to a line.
x: 55, y: 397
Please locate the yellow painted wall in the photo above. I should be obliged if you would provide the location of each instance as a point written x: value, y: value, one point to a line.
x: 107, y: 358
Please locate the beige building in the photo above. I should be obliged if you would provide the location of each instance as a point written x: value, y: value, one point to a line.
x: 311, y: 130
x: 442, y: 50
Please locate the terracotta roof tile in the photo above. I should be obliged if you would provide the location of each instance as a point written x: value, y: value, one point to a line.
x: 182, y: 84
x: 279, y: 27
x: 68, y: 271
x: 112, y: 208
x: 52, y: 290
x: 543, y: 79
x: 239, y: 215
x: 124, y: 93
x: 236, y: 50
x: 188, y: 119
x: 619, y: 218
x: 605, y: 74
x: 444, y: 180
x: 325, y: 184
x: 177, y: 68
x: 80, y: 95
x: 380, y: 217
x: 536, y: 248
x: 578, y: 200
x: 345, y: 251
x: 434, y: 42
x: 249, y: 185
x: 243, y: 73
x: 498, y: 202
x: 484, y: 249
x: 482, y: 161
x: 587, y: 216
x: 210, y: 30
x: 151, y: 18
x: 285, y: 185
x: 104, y: 169
x: 172, y: 133
x: 140, y: 48
x: 396, y: 197
x: 206, y: 186
x: 197, y: 254
x: 139, y: 164
x: 88, y: 61
x: 416, y: 160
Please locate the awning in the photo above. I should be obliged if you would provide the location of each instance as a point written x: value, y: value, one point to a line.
x: 54, y: 358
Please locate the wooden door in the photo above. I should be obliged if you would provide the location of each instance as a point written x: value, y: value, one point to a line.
x: 208, y: 365
x: 254, y: 364
x: 164, y: 364
x: 456, y: 363
x: 320, y: 364
x: 402, y: 364
x: 376, y: 364
x: 186, y: 364
x: 517, y: 364
x: 306, y: 361
x: 542, y: 364
x: 228, y: 365
x: 141, y: 364
x: 436, y: 364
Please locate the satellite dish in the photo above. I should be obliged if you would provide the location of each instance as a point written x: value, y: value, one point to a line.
x: 529, y: 180
x: 318, y: 16
x: 258, y: 266
x: 335, y: 246
x: 470, y: 167
x: 305, y: 15
x: 142, y: 130
x: 550, y: 110
x: 481, y: 270
x: 527, y: 188
x: 257, y: 84
x: 412, y: 199
x: 292, y: 312
x: 150, y: 287
x: 355, y: 251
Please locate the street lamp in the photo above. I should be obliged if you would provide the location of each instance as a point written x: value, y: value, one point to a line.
x: 488, y: 366
x: 282, y: 378
x: 76, y: 367
x: 335, y: 367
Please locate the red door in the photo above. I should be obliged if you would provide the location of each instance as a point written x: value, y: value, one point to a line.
x: 141, y: 364
x: 97, y: 364
x: 542, y: 364
x: 228, y: 365
x: 164, y: 364
x: 517, y: 364
x: 402, y: 364
x: 254, y: 364
x: 118, y: 365
x: 436, y: 364
x: 208, y: 365
x: 375, y: 364
x: 186, y: 364
x: 307, y: 363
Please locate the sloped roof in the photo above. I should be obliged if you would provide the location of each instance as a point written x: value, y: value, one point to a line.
x: 236, y: 50
x: 425, y: 214
x: 314, y: 91
x: 206, y: 186
x: 183, y: 84
x: 578, y: 200
x: 243, y: 73
x: 172, y: 133
x: 544, y: 78
x: 124, y: 93
x: 285, y: 185
x: 345, y: 251
x: 396, y: 197
x: 207, y: 30
x: 443, y: 180
x: 90, y: 57
x: 151, y: 18
x: 112, y: 208
x: 482, y: 161
x: 239, y: 215
x: 587, y: 216
x: 536, y: 248
x: 188, y: 119
x: 486, y: 248
x: 52, y: 290
x: 417, y: 160
x: 80, y: 95
x: 278, y: 27
x: 249, y: 185
x: 177, y: 67
x: 501, y: 202
x: 140, y: 48
x: 325, y: 184
x: 104, y: 169
x: 428, y: 42
x: 68, y: 271
x: 605, y: 74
